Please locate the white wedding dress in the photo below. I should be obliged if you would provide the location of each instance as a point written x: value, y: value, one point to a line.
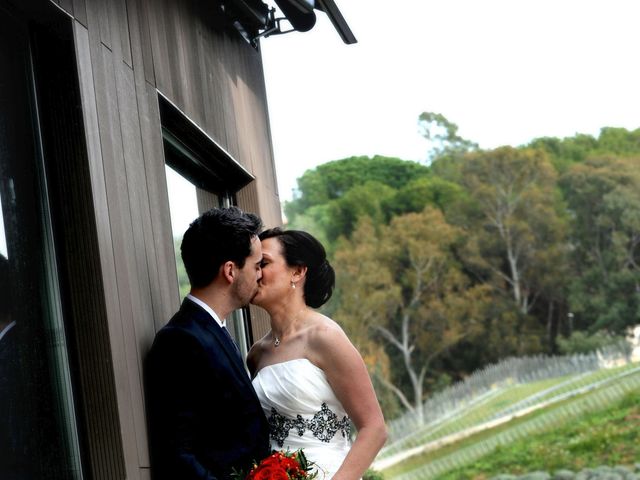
x: 304, y: 412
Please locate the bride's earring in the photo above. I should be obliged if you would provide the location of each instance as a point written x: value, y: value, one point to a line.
x: 293, y: 285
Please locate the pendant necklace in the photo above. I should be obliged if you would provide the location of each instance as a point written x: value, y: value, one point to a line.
x: 276, y: 340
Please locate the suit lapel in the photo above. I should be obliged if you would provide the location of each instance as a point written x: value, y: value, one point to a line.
x: 204, y: 319
x: 228, y: 349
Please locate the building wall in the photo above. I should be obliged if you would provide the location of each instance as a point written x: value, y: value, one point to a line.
x: 126, y: 52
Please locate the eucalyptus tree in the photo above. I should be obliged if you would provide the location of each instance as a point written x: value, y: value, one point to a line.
x: 404, y: 298
x: 442, y: 135
x: 516, y: 229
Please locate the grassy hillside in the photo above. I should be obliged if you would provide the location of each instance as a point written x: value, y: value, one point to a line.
x: 575, y: 409
x: 610, y: 436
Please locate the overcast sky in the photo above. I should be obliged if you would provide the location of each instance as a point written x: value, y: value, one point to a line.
x: 505, y: 71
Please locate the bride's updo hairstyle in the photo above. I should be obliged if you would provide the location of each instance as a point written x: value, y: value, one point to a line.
x: 302, y: 249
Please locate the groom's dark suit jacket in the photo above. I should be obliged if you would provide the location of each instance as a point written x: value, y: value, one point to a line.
x: 204, y: 416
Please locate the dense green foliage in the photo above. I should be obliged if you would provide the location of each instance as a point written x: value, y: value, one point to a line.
x: 581, y: 342
x: 372, y: 475
x: 607, y: 437
x: 479, y: 255
x: 332, y: 180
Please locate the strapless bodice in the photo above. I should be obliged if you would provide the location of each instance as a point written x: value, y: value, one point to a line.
x: 304, y: 412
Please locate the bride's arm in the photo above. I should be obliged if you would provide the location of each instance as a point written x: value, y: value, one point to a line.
x: 348, y: 376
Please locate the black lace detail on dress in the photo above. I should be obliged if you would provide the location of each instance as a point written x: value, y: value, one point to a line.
x: 324, y: 425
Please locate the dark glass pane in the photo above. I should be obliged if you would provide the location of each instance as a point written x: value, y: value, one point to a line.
x: 37, y: 425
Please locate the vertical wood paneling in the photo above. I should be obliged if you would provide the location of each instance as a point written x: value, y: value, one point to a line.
x: 214, y: 82
x: 103, y: 464
x: 121, y: 325
x: 141, y: 324
x: 158, y: 237
x: 161, y: 25
x: 157, y: 228
x: 166, y: 298
x: 80, y: 11
x: 207, y: 76
x: 243, y: 122
x: 199, y: 69
x: 228, y: 59
x: 100, y: 19
x: 119, y: 30
x: 185, y: 76
x: 140, y: 37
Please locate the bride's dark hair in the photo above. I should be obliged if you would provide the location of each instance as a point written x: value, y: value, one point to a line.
x: 302, y: 249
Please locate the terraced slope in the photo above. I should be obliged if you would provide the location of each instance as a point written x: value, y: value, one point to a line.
x: 510, y: 410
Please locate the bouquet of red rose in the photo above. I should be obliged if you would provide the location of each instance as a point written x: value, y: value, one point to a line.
x: 280, y: 466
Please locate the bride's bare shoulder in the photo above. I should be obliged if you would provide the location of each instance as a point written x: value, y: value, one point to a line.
x: 329, y: 348
x: 325, y: 334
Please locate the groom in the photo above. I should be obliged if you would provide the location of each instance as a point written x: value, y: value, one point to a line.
x: 204, y: 417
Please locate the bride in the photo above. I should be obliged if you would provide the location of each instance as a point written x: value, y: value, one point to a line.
x: 310, y: 379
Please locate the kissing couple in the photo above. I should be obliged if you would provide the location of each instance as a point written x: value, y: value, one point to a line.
x: 307, y: 384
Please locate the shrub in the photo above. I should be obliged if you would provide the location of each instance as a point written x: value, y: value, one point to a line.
x: 372, y: 475
x: 581, y: 342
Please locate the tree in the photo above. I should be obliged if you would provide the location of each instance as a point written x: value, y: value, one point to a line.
x: 401, y: 287
x: 332, y: 180
x: 603, y: 195
x: 365, y: 288
x: 565, y: 152
x: 442, y: 136
x: 423, y: 191
x: 367, y: 199
x: 183, y: 280
x: 516, y: 240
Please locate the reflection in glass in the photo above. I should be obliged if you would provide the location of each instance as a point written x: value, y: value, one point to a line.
x: 3, y: 236
x: 38, y: 434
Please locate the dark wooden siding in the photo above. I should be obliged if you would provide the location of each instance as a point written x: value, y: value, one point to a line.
x: 127, y: 51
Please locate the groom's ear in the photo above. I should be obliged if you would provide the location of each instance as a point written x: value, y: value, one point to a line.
x: 228, y: 270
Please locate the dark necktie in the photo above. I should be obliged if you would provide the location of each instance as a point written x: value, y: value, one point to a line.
x: 232, y: 341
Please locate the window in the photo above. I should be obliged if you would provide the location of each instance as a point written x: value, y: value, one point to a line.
x: 38, y: 432
x: 200, y: 175
x: 183, y: 202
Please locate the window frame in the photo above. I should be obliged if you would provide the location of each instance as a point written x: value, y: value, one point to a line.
x: 216, y: 176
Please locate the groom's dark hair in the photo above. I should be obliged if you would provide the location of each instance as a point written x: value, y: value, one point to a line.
x: 215, y: 237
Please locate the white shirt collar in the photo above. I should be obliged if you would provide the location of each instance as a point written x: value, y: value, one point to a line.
x: 207, y: 309
x: 6, y: 329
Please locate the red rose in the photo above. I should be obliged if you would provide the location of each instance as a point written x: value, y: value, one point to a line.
x: 270, y: 473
